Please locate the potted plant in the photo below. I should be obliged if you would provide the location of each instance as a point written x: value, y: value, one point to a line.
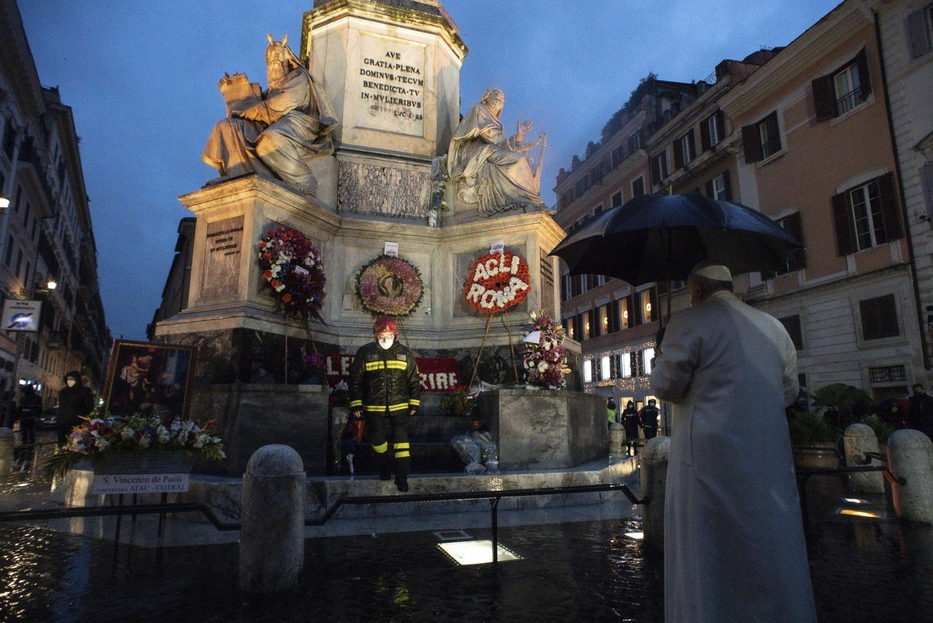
x: 813, y: 440
x: 135, y: 444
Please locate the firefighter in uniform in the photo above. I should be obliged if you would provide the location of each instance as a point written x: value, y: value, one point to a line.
x: 385, y: 391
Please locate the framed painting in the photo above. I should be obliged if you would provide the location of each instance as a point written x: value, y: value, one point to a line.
x: 149, y: 378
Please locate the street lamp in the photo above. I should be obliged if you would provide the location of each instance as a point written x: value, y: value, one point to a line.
x: 4, y: 202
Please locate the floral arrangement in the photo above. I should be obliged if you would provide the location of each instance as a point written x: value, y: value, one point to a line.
x: 389, y: 286
x: 545, y: 364
x: 458, y: 402
x: 439, y: 178
x: 293, y: 268
x: 101, y: 437
x: 317, y: 365
x: 497, y: 281
x: 340, y: 394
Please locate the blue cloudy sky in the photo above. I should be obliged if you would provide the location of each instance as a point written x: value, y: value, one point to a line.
x: 141, y: 79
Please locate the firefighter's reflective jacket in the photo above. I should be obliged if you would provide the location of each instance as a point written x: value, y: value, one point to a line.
x: 384, y: 378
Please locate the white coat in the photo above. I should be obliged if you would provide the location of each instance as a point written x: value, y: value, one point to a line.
x: 734, y: 547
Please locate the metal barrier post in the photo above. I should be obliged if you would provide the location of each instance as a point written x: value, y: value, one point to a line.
x: 495, y: 528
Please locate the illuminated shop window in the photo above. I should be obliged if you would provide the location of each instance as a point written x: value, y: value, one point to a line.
x: 625, y: 365
x: 647, y: 356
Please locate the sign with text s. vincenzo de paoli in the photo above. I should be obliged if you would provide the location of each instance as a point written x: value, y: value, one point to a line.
x: 140, y: 483
x: 21, y: 315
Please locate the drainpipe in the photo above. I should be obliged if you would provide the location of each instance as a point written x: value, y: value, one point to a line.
x: 900, y: 188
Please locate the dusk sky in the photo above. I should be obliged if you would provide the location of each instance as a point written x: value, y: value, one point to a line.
x: 141, y: 78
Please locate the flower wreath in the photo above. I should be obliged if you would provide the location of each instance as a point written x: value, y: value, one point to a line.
x: 497, y: 281
x: 389, y: 286
x: 544, y: 360
x: 293, y: 267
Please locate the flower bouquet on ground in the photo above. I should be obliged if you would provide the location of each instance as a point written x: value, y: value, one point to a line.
x: 459, y: 402
x: 544, y: 353
x: 101, y: 438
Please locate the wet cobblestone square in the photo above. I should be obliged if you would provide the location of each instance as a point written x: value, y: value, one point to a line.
x: 863, y: 570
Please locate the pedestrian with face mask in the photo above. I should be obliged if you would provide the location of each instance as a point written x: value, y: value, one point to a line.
x: 75, y: 401
x: 385, y: 391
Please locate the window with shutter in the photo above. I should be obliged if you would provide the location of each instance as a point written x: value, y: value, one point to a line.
x: 890, y: 210
x: 793, y: 225
x: 684, y: 150
x: 751, y: 144
x: 659, y: 168
x: 824, y: 98
x: 842, y: 221
x: 688, y: 147
x: 718, y: 187
x: 865, y: 202
x: 879, y: 317
x: 861, y: 63
x: 792, y: 324
x: 769, y: 135
x: 926, y: 180
x: 842, y: 90
x: 847, y: 88
x: 920, y: 31
x: 867, y: 215
x: 616, y: 199
x: 638, y: 186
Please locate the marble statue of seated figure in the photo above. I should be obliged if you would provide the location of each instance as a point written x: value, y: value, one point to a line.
x: 275, y: 133
x: 488, y: 169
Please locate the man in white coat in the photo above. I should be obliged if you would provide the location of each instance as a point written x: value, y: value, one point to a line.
x: 734, y: 547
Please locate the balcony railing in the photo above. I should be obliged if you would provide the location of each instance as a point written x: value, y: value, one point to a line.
x: 849, y: 101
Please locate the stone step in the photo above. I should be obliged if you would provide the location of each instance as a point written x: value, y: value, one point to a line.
x: 426, y: 457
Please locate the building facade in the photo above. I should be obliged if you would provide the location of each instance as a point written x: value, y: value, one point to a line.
x: 905, y: 32
x: 816, y: 156
x: 615, y: 322
x: 47, y: 248
x: 806, y: 135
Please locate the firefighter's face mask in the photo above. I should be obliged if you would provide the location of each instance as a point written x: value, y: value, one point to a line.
x: 385, y: 340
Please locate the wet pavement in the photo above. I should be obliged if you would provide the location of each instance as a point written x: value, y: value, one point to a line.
x: 863, y: 569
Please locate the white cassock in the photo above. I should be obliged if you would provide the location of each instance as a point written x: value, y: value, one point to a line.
x: 734, y: 548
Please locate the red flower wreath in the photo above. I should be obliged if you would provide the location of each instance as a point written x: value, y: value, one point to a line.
x: 292, y: 266
x: 497, y: 281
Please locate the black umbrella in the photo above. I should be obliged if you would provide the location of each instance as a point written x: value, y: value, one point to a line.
x: 661, y: 237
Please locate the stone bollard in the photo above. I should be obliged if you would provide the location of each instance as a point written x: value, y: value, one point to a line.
x: 272, y: 520
x: 653, y: 478
x: 858, y: 440
x: 616, y: 438
x: 6, y: 452
x: 910, y: 456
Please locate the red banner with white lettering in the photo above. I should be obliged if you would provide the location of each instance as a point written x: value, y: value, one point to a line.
x: 437, y: 374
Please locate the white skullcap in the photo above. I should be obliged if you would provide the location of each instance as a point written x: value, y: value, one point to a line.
x: 715, y: 272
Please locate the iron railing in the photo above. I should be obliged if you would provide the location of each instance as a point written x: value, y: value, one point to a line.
x: 182, y: 507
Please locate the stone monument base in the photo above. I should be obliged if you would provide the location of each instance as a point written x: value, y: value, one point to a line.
x: 545, y: 429
x: 251, y: 416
